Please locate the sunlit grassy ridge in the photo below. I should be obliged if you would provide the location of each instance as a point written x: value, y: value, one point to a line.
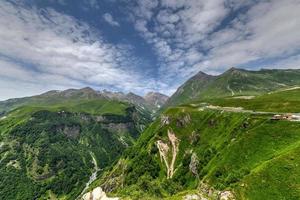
x: 234, y: 82
x: 280, y: 101
x: 94, y: 107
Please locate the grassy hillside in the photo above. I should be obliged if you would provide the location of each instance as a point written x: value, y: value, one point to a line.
x: 248, y: 155
x: 234, y: 82
x: 279, y: 101
x: 190, y: 90
x: 52, y: 98
x: 48, y: 142
x: 48, y: 150
x: 150, y: 103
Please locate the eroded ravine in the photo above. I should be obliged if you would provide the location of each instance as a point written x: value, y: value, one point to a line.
x: 164, y: 150
x: 92, y: 177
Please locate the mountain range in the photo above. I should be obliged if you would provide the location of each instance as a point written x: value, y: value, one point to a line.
x: 151, y: 102
x: 234, y: 82
x: 230, y: 136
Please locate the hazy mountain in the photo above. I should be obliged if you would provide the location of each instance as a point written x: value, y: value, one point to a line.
x: 69, y: 95
x: 156, y: 99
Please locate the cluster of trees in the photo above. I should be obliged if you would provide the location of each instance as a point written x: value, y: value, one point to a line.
x: 50, y: 160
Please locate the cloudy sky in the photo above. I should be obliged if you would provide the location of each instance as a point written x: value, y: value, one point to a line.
x: 139, y: 46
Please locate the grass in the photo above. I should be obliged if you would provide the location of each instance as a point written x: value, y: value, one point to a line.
x: 234, y: 81
x: 53, y: 163
x: 281, y: 101
x: 236, y: 151
x: 278, y: 178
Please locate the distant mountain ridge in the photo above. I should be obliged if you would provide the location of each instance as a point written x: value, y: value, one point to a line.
x: 234, y: 82
x: 156, y: 99
x: 55, y: 96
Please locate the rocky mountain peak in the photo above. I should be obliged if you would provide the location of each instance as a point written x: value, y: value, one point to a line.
x: 233, y: 70
x: 155, y: 98
x: 87, y: 89
x: 201, y: 76
x: 201, y: 73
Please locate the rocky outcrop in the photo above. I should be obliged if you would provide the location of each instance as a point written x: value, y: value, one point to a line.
x: 165, y: 120
x: 97, y: 194
x: 192, y: 197
x: 156, y: 99
x: 99, y: 118
x: 175, y: 148
x: 113, y: 180
x: 194, y: 164
x: 119, y: 128
x: 183, y: 121
x: 226, y: 195
x: 165, y: 149
x: 194, y: 138
x: 195, y: 197
x: 213, y: 193
x: 71, y: 131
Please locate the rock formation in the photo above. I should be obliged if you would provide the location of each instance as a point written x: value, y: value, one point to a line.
x: 97, y: 194
x: 164, y: 151
x: 194, y: 164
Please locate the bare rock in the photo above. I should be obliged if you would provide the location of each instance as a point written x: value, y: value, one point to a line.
x: 165, y: 120
x: 97, y: 194
x: 194, y: 164
x: 115, y: 178
x: 165, y: 149
x: 183, y: 121
x: 192, y: 197
x: 71, y: 131
x: 194, y: 138
x: 226, y: 195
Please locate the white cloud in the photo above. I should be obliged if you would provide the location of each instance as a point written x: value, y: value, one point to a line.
x: 292, y: 62
x: 109, y: 19
x: 189, y: 36
x: 272, y: 30
x: 179, y: 26
x: 44, y: 47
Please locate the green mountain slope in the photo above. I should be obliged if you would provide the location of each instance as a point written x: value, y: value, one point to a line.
x: 48, y: 151
x: 212, y: 153
x: 150, y: 103
x: 221, y: 141
x: 52, y: 98
x: 279, y: 101
x: 234, y: 82
x: 190, y: 89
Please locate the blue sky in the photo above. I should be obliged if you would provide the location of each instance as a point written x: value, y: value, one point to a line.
x: 139, y: 46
